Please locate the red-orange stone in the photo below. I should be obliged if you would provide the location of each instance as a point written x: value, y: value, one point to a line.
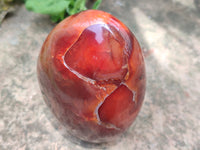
x: 92, y: 75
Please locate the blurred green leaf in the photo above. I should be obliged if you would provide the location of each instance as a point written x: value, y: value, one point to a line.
x: 97, y: 4
x: 58, y: 9
x: 55, y: 8
x: 76, y: 6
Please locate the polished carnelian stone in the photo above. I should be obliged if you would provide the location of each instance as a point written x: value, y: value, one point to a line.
x: 92, y: 75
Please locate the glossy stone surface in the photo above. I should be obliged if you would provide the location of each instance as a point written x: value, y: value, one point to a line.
x: 92, y: 75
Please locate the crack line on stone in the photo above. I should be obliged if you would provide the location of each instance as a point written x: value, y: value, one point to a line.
x: 78, y: 74
x: 109, y: 125
x: 134, y: 92
x: 86, y: 79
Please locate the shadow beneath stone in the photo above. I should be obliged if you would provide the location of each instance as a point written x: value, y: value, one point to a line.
x: 74, y: 140
x: 197, y: 4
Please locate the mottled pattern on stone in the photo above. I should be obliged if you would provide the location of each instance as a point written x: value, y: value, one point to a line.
x: 169, y: 119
